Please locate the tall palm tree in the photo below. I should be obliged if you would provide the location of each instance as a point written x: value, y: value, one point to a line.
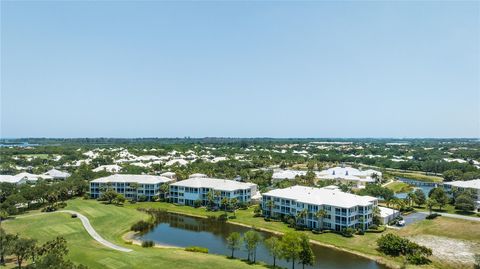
x: 301, y: 215
x: 270, y: 205
x: 211, y: 198
x: 134, y: 186
x: 224, y: 204
x: 320, y: 214
x: 234, y: 204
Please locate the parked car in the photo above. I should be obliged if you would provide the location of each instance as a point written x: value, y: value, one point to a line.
x: 401, y: 223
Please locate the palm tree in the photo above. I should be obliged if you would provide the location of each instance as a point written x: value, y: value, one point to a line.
x: 165, y: 189
x: 270, y: 205
x: 410, y: 198
x: 362, y: 221
x: 211, y: 198
x: 234, y: 205
x: 134, y: 186
x: 301, y: 215
x: 320, y: 214
x: 224, y: 204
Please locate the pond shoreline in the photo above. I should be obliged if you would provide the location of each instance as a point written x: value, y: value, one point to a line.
x: 377, y: 259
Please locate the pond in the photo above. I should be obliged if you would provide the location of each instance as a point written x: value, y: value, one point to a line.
x: 182, y: 231
x: 424, y: 186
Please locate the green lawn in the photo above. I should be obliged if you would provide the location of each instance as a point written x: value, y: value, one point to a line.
x: 399, y: 187
x: 111, y: 222
x: 420, y: 176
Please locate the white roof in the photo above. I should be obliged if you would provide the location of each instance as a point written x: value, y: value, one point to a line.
x: 472, y: 184
x: 213, y: 183
x: 322, y: 196
x: 174, y: 161
x: 386, y: 212
x: 32, y: 177
x: 288, y: 174
x: 10, y: 179
x: 348, y: 173
x: 168, y: 174
x: 197, y: 175
x: 108, y: 168
x: 140, y: 179
x: 57, y: 173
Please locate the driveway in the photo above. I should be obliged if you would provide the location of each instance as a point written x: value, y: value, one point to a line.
x: 414, y: 217
x: 88, y: 227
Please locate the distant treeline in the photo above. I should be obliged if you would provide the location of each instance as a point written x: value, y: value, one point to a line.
x: 228, y: 140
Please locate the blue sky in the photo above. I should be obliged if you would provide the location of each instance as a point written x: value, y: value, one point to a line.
x: 240, y: 69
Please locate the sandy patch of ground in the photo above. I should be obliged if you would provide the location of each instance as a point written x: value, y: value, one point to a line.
x: 448, y: 249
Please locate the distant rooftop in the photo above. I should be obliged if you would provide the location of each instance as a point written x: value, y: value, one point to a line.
x: 213, y: 183
x: 472, y: 184
x: 140, y: 179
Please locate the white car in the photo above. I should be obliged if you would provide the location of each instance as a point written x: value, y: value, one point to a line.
x: 401, y: 223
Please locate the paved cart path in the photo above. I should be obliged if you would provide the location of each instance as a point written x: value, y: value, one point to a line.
x: 89, y: 228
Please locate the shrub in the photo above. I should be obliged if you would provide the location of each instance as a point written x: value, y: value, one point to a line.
x: 433, y: 216
x: 373, y: 227
x: 142, y: 198
x: 395, y: 245
x: 348, y: 232
x: 197, y: 249
x: 197, y: 203
x: 417, y: 259
x: 141, y: 226
x: 128, y: 242
x: 61, y: 205
x: 148, y: 244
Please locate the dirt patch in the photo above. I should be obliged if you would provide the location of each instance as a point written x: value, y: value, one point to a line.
x: 448, y: 249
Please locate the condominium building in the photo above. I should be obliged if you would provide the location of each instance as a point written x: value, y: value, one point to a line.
x: 469, y: 185
x: 342, y: 210
x: 131, y: 186
x: 350, y: 175
x: 186, y: 192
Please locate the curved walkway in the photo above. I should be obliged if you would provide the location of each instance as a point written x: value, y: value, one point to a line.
x: 90, y: 230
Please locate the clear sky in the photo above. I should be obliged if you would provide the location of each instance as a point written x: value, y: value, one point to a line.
x: 240, y: 69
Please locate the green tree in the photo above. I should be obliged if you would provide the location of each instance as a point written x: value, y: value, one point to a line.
x: 234, y: 205
x: 270, y: 204
x: 465, y: 202
x: 164, y: 189
x: 252, y: 238
x: 3, y: 216
x: 440, y: 197
x: 291, y: 246
x: 234, y: 241
x: 300, y: 217
x: 6, y: 241
x: 109, y: 196
x: 274, y: 248
x: 430, y: 204
x: 305, y: 256
x: 120, y: 199
x: 320, y: 215
x: 419, y: 199
x: 224, y: 203
x: 134, y: 187
x: 23, y: 249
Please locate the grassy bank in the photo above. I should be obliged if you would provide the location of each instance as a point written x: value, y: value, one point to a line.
x: 399, y: 187
x: 111, y: 222
x: 416, y: 176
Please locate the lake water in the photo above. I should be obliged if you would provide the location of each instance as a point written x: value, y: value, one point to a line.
x: 182, y: 231
x: 424, y: 186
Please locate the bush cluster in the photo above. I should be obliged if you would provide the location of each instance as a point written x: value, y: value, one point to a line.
x: 197, y: 249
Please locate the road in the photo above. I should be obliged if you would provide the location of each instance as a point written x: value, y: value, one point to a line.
x: 455, y: 216
x: 88, y: 227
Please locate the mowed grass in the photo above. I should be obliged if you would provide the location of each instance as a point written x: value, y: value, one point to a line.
x: 399, y: 187
x: 111, y: 222
x: 446, y: 227
x: 364, y: 245
x: 420, y: 176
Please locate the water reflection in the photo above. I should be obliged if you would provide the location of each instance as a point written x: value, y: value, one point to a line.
x: 182, y: 231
